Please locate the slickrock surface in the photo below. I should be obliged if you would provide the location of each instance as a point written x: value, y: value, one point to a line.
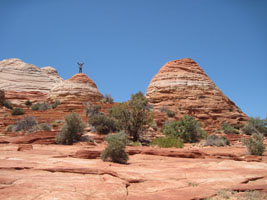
x: 183, y: 87
x: 51, y: 172
x: 22, y: 81
x: 79, y: 88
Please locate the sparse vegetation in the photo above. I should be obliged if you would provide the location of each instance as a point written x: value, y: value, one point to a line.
x: 192, y: 184
x: 255, y: 144
x: 115, y: 151
x: 9, y: 128
x: 55, y: 104
x: 187, y: 128
x: 28, y: 103
x: 107, y: 99
x: 215, y: 140
x: 227, y: 128
x: 7, y: 104
x: 133, y: 118
x: 91, y: 110
x: 102, y: 123
x: 44, y: 106
x: 167, y: 142
x: 170, y: 113
x: 41, y: 106
x: 256, y: 125
x: 35, y: 106
x: 45, y: 127
x: 17, y: 111
x: 25, y: 124
x: 71, y: 130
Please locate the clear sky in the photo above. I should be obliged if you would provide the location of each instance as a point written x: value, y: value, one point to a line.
x: 124, y: 43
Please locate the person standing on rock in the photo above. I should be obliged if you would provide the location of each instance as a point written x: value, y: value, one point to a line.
x: 80, y: 67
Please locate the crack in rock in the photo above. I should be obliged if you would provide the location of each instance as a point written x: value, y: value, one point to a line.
x: 252, y: 179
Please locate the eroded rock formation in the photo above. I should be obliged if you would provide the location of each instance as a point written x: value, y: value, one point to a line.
x: 79, y: 88
x: 22, y: 81
x: 183, y: 87
x: 2, y: 97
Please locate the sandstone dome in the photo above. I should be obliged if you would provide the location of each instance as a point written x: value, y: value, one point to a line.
x: 79, y: 88
x: 182, y: 86
x: 22, y: 81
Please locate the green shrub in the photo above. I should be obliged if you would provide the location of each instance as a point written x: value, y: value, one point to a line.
x: 255, y: 144
x: 115, y: 151
x: 256, y: 125
x: 107, y: 99
x: 215, y: 140
x: 135, y: 118
x: 25, y: 124
x: 167, y: 142
x: 135, y: 143
x: 28, y: 103
x: 44, y: 106
x: 71, y: 130
x: 36, y: 106
x: 187, y: 128
x: 55, y: 104
x: 102, y: 123
x: 7, y: 104
x: 170, y: 113
x: 45, y: 127
x: 227, y: 128
x: 17, y: 111
x: 9, y: 128
x: 40, y: 106
x: 92, y: 110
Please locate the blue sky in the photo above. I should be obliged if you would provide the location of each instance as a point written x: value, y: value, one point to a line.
x: 124, y: 43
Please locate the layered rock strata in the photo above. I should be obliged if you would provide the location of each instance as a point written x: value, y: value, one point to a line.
x: 2, y: 97
x: 22, y: 81
x: 79, y: 88
x: 183, y: 87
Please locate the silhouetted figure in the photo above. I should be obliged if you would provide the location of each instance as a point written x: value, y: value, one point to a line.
x: 80, y: 67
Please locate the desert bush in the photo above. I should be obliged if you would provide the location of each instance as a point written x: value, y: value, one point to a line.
x: 71, y: 130
x: 91, y: 110
x: 102, y: 123
x: 55, y: 104
x: 7, y: 104
x: 9, y: 128
x: 255, y: 144
x: 28, y: 103
x: 45, y: 127
x: 25, y: 124
x: 44, y: 106
x: 17, y: 111
x: 107, y: 99
x: 163, y: 109
x: 167, y: 142
x: 115, y: 151
x: 133, y: 118
x: 40, y: 106
x: 187, y: 128
x: 36, y: 106
x: 170, y: 113
x: 227, y: 128
x: 215, y: 140
x: 256, y: 125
